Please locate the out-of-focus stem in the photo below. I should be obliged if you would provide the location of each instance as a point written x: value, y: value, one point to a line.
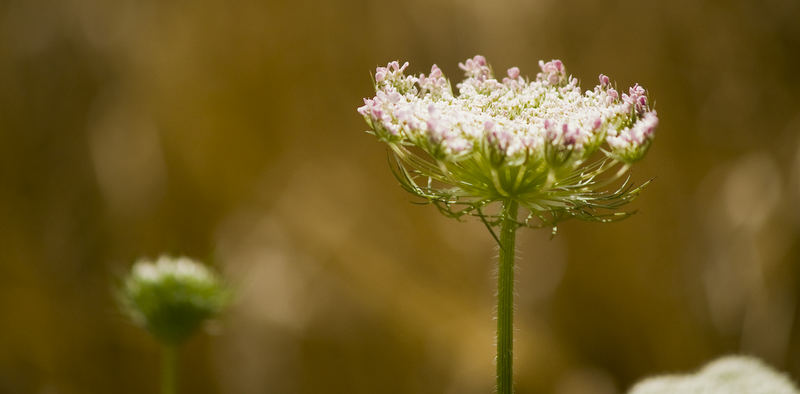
x: 169, y: 369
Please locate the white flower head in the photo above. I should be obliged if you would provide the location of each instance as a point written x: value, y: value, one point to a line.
x: 527, y: 140
x: 727, y: 375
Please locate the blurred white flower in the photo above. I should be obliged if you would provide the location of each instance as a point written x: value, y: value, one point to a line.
x: 727, y: 375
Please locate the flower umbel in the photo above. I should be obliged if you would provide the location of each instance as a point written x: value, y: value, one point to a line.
x: 542, y: 142
x: 171, y: 298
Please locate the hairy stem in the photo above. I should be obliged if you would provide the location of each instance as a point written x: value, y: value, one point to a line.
x: 505, y: 298
x: 169, y: 370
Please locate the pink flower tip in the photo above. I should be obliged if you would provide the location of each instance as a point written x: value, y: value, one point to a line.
x: 636, y: 90
x: 553, y: 66
x: 436, y: 72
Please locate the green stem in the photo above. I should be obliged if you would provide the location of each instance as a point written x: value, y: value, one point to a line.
x: 169, y: 371
x: 505, y: 299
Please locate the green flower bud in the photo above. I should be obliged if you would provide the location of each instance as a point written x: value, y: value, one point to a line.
x: 171, y: 298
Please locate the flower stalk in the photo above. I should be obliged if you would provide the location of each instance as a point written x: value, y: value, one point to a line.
x: 505, y: 298
x: 169, y: 369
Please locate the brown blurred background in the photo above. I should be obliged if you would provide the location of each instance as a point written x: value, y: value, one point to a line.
x: 227, y: 131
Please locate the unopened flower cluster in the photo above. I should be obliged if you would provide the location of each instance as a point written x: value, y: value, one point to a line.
x: 514, y: 120
x: 171, y: 297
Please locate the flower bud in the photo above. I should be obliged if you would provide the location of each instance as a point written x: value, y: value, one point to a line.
x: 513, y: 72
x: 171, y: 298
x: 553, y: 72
x: 604, y: 81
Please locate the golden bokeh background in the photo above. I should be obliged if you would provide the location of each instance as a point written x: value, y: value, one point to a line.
x: 227, y: 131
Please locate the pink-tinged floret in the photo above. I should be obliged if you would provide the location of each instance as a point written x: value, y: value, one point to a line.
x: 553, y: 72
x: 435, y: 82
x: 476, y: 68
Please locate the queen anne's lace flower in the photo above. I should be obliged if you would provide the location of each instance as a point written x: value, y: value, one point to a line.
x: 531, y: 141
